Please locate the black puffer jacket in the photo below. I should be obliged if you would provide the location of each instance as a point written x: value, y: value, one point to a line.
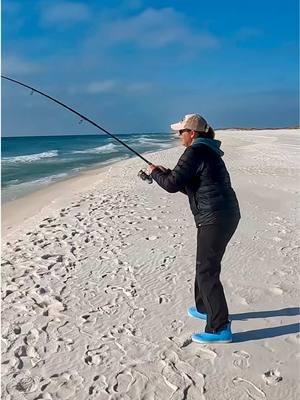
x: 202, y: 175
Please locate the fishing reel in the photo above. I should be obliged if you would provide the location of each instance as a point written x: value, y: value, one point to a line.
x: 144, y: 176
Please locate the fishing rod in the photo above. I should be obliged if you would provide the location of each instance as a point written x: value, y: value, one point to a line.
x: 142, y: 173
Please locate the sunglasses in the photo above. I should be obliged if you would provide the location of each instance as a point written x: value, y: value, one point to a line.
x: 184, y: 130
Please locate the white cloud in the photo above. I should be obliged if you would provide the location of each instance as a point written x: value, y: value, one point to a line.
x: 110, y: 86
x: 13, y: 64
x: 156, y: 28
x: 101, y: 87
x: 65, y: 12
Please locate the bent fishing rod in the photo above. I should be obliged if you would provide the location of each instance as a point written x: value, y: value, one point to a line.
x: 142, y: 173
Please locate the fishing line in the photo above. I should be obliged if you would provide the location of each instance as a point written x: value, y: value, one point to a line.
x: 142, y: 173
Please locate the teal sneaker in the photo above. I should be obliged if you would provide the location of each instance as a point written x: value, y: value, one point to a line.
x: 223, y: 336
x: 192, y: 312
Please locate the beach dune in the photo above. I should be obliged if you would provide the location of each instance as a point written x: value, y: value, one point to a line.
x: 98, y: 271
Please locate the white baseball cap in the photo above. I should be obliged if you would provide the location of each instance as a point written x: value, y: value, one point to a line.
x: 194, y: 122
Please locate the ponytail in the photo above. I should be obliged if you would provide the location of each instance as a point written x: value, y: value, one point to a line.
x: 210, y: 134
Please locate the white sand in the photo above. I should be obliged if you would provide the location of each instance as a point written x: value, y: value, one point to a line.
x: 98, y: 273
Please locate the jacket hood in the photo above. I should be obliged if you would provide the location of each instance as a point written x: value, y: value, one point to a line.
x: 211, y: 143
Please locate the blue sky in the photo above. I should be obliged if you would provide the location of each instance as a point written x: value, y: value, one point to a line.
x: 137, y: 66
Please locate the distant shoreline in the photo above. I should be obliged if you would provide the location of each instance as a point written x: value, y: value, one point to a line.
x: 72, y: 185
x: 257, y: 129
x: 8, y: 198
x: 158, y: 133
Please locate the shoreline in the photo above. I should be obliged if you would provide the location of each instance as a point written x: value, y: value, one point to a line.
x: 106, y: 164
x: 157, y: 133
x: 17, y: 211
x: 29, y: 165
x: 71, y: 175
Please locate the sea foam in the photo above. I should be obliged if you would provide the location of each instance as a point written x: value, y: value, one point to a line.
x: 31, y: 157
x: 107, y: 148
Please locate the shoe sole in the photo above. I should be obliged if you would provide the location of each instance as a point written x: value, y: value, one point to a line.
x: 201, y: 319
x: 194, y: 316
x: 212, y: 342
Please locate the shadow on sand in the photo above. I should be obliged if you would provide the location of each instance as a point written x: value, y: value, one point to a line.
x: 266, y: 333
x: 283, y: 312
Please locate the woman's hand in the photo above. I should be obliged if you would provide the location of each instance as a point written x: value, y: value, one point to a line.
x: 151, y: 168
x: 163, y: 169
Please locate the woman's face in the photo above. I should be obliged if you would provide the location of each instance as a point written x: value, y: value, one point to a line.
x: 186, y: 137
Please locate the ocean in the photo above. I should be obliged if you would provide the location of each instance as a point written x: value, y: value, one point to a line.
x: 30, y: 163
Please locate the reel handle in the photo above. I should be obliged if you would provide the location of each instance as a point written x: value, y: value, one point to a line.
x: 144, y: 176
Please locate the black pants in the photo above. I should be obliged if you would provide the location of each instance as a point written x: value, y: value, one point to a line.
x: 209, y: 294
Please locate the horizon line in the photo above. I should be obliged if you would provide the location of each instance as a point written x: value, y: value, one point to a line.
x: 151, y: 133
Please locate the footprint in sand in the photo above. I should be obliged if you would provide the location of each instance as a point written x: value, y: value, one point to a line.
x: 177, y: 326
x: 137, y: 314
x: 129, y: 291
x: 124, y: 380
x: 124, y: 329
x: 272, y: 377
x: 241, y: 359
x: 185, y: 381
x: 49, y: 305
x: 99, y: 388
x: 64, y: 344
x: 10, y: 333
x: 109, y: 309
x: 173, y: 378
x: 170, y: 278
x: 95, y: 357
x: 276, y: 290
x: 181, y: 341
x: 291, y: 251
x: 29, y: 355
x: 63, y: 386
x: 166, y: 263
x: 21, y: 384
x: 253, y: 392
x: 32, y: 337
x: 206, y: 353
x: 151, y: 238
x: 164, y: 298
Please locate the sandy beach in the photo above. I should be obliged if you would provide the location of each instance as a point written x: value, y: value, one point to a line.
x: 98, y: 272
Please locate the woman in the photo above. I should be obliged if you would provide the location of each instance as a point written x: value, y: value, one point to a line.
x: 202, y: 175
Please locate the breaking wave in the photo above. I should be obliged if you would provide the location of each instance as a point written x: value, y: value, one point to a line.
x: 28, y: 158
x: 107, y: 148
